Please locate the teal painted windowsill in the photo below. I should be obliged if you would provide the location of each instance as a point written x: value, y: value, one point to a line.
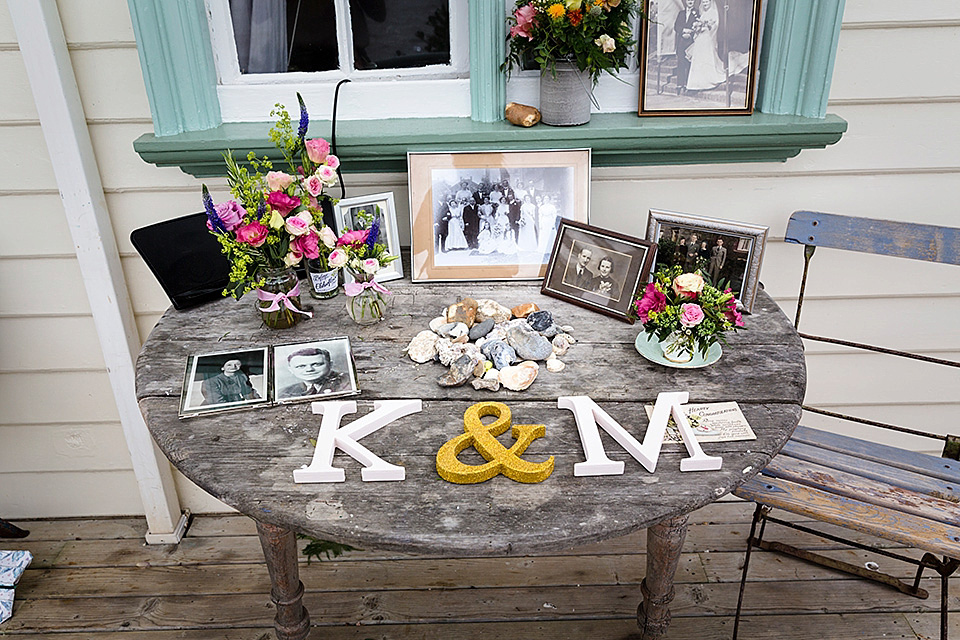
x: 617, y: 139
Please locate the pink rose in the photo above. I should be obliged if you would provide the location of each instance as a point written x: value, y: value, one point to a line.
x: 230, y: 213
x: 652, y: 301
x: 293, y: 258
x: 254, y: 234
x: 353, y: 237
x: 691, y: 314
x: 688, y: 285
x: 278, y: 180
x: 338, y: 258
x: 282, y: 203
x: 332, y: 161
x: 308, y: 245
x: 328, y: 237
x: 524, y: 16
x: 371, y: 265
x: 317, y: 150
x: 313, y: 185
x: 327, y: 174
x: 298, y: 225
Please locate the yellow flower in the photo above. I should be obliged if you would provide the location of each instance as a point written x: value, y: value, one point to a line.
x: 556, y: 11
x: 276, y: 220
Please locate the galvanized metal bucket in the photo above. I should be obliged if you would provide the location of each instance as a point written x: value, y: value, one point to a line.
x: 565, y: 96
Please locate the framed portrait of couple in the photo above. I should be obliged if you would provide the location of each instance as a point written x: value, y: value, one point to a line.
x: 699, y: 56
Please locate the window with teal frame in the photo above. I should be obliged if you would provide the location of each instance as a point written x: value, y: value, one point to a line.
x: 796, y: 65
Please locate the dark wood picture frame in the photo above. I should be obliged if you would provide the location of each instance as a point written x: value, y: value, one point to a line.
x: 709, y: 73
x: 616, y: 267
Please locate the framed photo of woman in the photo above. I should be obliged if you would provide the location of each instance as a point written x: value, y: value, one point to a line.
x: 699, y: 57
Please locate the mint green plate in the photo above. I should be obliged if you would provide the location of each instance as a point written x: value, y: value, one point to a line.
x: 649, y: 347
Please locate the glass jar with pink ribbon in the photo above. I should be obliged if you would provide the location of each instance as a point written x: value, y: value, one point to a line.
x: 278, y: 298
x: 366, y: 298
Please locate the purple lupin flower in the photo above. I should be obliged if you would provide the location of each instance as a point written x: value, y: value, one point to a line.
x: 261, y: 209
x: 304, y: 119
x: 214, y: 223
x: 374, y: 234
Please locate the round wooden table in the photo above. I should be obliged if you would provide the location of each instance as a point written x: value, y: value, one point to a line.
x: 247, y: 458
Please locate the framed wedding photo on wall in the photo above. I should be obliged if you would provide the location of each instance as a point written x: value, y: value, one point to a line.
x: 492, y: 215
x: 725, y: 251
x: 598, y: 269
x: 359, y: 212
x: 699, y: 56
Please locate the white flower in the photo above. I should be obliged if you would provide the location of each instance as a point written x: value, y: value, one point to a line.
x: 328, y: 237
x: 606, y: 43
x: 371, y: 265
x: 338, y: 258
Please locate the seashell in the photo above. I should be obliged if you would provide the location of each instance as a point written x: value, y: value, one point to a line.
x: 560, y: 344
x: 555, y: 365
x: 436, y: 323
x: 519, y: 377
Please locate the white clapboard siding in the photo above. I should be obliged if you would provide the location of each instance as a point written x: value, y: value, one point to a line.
x: 873, y: 378
x: 49, y: 343
x: 874, y: 11
x: 57, y: 276
x: 16, y: 101
x: 28, y: 169
x: 101, y: 101
x: 61, y: 397
x: 93, y: 446
x: 69, y: 493
x: 45, y: 211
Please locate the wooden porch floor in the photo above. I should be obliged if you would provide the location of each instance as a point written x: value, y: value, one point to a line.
x: 95, y: 579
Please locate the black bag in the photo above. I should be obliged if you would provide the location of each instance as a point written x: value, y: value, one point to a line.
x: 185, y: 258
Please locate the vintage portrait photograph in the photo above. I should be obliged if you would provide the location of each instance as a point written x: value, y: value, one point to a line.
x: 699, y: 56
x: 492, y: 215
x: 597, y: 268
x: 360, y: 213
x: 314, y: 370
x: 225, y: 380
x: 726, y: 252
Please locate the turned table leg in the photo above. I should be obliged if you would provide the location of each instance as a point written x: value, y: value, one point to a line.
x: 280, y: 551
x: 664, y: 541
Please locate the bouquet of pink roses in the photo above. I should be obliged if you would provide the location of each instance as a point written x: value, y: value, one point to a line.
x: 686, y: 313
x: 276, y: 218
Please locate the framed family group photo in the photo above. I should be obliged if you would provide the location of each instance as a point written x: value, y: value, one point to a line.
x: 359, y: 213
x: 598, y: 269
x: 722, y: 250
x: 492, y: 215
x: 699, y: 56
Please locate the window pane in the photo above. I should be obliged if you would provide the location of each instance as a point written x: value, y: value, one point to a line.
x: 400, y: 33
x: 312, y: 29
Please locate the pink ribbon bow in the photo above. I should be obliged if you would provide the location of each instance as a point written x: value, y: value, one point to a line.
x: 276, y: 299
x: 354, y: 288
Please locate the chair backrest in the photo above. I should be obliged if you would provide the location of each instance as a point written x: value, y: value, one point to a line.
x: 881, y: 237
x: 185, y: 258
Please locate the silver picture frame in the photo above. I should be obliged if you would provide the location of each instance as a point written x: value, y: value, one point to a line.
x: 345, y: 216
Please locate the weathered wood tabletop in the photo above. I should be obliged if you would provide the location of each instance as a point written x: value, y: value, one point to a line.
x: 247, y: 458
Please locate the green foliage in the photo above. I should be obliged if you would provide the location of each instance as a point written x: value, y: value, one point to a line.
x: 326, y: 548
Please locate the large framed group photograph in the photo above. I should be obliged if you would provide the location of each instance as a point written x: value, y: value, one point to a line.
x: 699, y: 56
x: 492, y: 215
x: 725, y: 251
x: 598, y: 269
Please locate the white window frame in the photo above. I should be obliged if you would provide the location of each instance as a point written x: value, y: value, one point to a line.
x: 432, y: 91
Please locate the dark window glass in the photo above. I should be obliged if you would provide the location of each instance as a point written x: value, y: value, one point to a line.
x: 312, y: 33
x: 400, y: 34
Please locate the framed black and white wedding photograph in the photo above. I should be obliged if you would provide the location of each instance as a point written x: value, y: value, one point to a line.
x: 359, y: 213
x: 314, y: 370
x: 492, y: 215
x: 225, y: 380
x: 699, y: 56
x: 597, y: 268
x: 726, y: 252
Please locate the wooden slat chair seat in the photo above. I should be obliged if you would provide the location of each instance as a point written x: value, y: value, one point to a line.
x: 908, y: 498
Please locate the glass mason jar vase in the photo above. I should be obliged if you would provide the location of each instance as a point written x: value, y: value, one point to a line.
x: 678, y: 347
x: 278, y: 299
x: 368, y: 304
x: 324, y: 282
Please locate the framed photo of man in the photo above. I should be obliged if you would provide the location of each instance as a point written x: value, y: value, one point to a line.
x: 699, y: 56
x: 225, y: 380
x: 492, y: 215
x: 597, y: 268
x: 314, y: 370
x: 726, y: 252
x: 360, y: 212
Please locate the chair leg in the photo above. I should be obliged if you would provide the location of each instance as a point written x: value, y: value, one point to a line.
x: 757, y: 513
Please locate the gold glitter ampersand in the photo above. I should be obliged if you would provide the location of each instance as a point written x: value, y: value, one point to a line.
x: 483, y: 438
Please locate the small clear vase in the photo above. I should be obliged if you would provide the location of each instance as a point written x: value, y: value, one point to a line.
x: 324, y: 282
x: 678, y: 347
x: 280, y: 287
x: 369, y: 304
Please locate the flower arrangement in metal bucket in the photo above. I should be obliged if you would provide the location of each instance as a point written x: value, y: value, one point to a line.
x: 275, y: 219
x: 686, y: 313
x: 595, y: 35
x: 359, y: 252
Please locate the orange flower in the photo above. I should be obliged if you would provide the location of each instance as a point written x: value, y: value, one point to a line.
x: 576, y: 17
x: 556, y: 11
